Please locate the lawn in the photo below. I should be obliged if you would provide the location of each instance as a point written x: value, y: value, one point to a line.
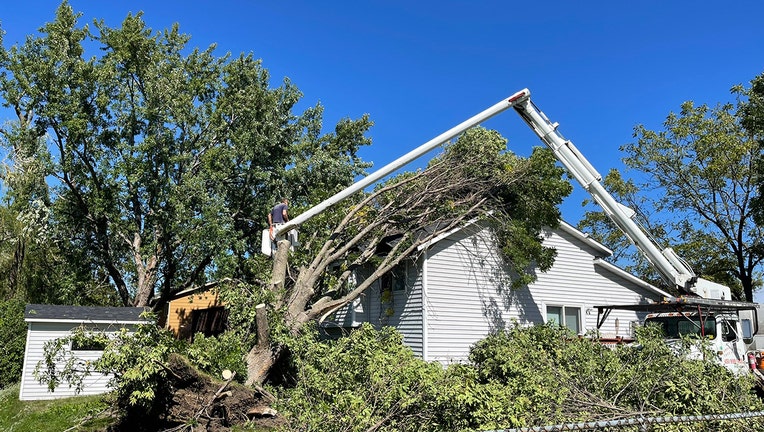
x: 81, y: 413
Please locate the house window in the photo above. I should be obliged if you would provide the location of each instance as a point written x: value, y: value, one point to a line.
x: 87, y: 344
x: 395, y: 279
x: 566, y: 316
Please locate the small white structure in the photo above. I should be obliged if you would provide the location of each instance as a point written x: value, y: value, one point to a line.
x: 49, y: 322
x: 459, y: 292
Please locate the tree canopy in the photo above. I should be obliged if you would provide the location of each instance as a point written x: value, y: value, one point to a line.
x: 150, y: 165
x: 700, y: 179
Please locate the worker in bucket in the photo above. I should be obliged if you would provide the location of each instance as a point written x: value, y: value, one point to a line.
x: 277, y: 217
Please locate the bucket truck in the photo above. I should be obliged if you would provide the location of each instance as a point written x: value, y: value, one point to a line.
x: 706, y: 309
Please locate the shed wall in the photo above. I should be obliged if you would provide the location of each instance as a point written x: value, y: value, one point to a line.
x: 38, y: 333
x: 179, y: 310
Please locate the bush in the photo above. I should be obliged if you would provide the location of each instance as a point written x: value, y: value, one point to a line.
x: 13, y: 332
x: 361, y: 381
x: 544, y: 375
x: 518, y: 375
x: 216, y: 353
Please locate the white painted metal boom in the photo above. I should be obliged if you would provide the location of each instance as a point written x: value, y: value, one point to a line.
x: 397, y: 164
x: 672, y: 268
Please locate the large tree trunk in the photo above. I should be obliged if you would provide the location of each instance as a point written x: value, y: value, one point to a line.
x: 146, y: 271
x: 263, y: 356
x: 260, y: 360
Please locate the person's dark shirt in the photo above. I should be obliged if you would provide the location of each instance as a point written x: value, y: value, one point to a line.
x: 277, y: 214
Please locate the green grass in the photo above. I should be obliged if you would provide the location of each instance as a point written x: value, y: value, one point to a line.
x: 57, y: 415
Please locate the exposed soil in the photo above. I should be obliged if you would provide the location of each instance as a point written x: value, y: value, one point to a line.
x: 208, y: 404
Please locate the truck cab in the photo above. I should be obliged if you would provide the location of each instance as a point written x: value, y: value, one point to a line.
x: 721, y: 330
x: 728, y: 326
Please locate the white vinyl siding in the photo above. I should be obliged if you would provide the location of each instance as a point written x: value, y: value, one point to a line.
x: 403, y: 308
x: 400, y: 307
x: 469, y: 294
x: 37, y: 334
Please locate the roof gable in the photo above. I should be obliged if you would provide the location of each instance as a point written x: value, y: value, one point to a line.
x: 587, y: 241
x: 584, y: 237
x: 564, y: 226
x: 612, y: 268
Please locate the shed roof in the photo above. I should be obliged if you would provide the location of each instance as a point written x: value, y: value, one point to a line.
x: 84, y: 314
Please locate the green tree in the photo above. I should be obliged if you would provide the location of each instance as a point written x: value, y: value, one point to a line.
x: 158, y: 152
x: 753, y: 122
x: 700, y: 176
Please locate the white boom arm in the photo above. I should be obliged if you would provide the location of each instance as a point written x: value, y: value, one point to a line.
x: 398, y: 163
x: 668, y: 264
x: 672, y: 268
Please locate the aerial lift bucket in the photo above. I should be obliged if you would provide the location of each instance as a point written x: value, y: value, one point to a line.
x: 267, y: 247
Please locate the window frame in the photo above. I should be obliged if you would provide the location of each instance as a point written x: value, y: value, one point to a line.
x: 564, y: 316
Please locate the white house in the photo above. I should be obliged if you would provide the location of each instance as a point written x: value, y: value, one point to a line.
x: 459, y: 292
x: 49, y: 322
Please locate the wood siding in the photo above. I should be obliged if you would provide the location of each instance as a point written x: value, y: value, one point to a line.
x: 40, y: 332
x: 179, y: 310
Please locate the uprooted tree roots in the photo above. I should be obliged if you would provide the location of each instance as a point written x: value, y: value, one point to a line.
x: 198, y: 402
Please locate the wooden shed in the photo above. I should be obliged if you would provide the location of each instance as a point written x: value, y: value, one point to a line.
x: 196, y: 310
x: 49, y: 322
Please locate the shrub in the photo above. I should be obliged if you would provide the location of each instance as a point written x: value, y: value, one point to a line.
x: 13, y: 332
x: 216, y: 353
x: 366, y: 380
x: 542, y: 375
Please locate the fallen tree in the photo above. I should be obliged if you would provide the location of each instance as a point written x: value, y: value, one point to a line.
x: 475, y: 178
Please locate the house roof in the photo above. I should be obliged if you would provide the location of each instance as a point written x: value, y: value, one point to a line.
x: 564, y: 226
x: 200, y: 288
x: 84, y: 314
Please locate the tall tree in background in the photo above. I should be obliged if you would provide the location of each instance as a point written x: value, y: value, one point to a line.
x: 31, y: 266
x: 700, y: 181
x: 753, y: 121
x: 162, y: 160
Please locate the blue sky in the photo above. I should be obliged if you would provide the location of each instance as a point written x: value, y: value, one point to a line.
x: 420, y: 67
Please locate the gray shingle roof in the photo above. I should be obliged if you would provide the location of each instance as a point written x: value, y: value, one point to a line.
x: 41, y: 312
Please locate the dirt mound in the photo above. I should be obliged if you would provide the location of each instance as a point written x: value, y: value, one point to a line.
x: 195, y: 401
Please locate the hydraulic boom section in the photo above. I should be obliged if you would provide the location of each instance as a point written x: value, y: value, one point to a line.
x: 672, y: 268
